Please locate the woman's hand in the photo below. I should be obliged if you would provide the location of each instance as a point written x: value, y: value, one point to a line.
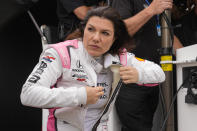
x: 129, y: 74
x: 93, y: 94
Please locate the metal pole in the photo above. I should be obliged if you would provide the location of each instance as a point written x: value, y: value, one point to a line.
x: 167, y: 86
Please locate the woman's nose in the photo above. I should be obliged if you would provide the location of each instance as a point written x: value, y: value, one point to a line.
x: 96, y: 36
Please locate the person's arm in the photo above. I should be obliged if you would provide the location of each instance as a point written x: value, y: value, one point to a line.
x: 78, y: 7
x: 177, y: 44
x: 81, y: 11
x: 134, y: 23
x: 141, y: 71
x: 37, y: 92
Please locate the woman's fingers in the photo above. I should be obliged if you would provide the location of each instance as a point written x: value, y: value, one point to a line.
x: 93, y: 94
x: 129, y: 74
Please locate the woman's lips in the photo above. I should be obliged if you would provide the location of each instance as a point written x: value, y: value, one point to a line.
x: 94, y: 46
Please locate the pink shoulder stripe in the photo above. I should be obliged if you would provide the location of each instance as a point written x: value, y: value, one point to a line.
x: 62, y: 50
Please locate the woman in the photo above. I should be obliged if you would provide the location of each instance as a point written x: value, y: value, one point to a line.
x: 83, y: 89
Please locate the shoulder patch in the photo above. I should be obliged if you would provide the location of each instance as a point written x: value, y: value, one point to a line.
x: 139, y: 59
x: 48, y: 58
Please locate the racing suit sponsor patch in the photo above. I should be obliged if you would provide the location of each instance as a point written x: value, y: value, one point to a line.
x: 34, y: 78
x: 41, y: 68
x: 139, y: 59
x: 79, y: 77
x: 78, y: 64
x: 104, y: 85
x: 77, y: 70
x: 48, y: 58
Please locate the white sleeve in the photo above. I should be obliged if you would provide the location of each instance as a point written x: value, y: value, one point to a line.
x: 37, y: 92
x: 149, y: 72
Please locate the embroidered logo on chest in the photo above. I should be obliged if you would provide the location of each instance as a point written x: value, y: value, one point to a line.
x: 80, y: 77
x: 78, y: 73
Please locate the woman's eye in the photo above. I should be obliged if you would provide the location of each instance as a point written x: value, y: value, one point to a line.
x: 90, y: 29
x: 105, y: 33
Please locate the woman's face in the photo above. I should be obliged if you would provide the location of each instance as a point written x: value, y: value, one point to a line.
x: 98, y: 36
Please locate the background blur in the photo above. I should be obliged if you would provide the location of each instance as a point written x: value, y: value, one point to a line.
x: 19, y: 52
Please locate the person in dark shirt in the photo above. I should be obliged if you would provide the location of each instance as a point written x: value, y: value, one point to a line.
x: 184, y: 21
x: 70, y: 13
x: 136, y: 104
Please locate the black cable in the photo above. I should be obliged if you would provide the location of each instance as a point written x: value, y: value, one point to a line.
x: 35, y: 23
x: 162, y: 101
x: 171, y: 105
x: 108, y: 104
x: 174, y: 98
x: 170, y: 27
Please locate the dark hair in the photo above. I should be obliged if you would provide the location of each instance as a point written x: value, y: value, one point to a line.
x: 122, y: 37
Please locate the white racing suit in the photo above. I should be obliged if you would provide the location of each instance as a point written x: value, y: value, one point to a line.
x: 67, y: 100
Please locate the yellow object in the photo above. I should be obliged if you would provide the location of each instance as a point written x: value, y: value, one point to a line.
x: 140, y: 59
x: 166, y: 67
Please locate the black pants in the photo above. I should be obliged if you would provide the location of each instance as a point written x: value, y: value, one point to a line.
x: 136, y: 106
